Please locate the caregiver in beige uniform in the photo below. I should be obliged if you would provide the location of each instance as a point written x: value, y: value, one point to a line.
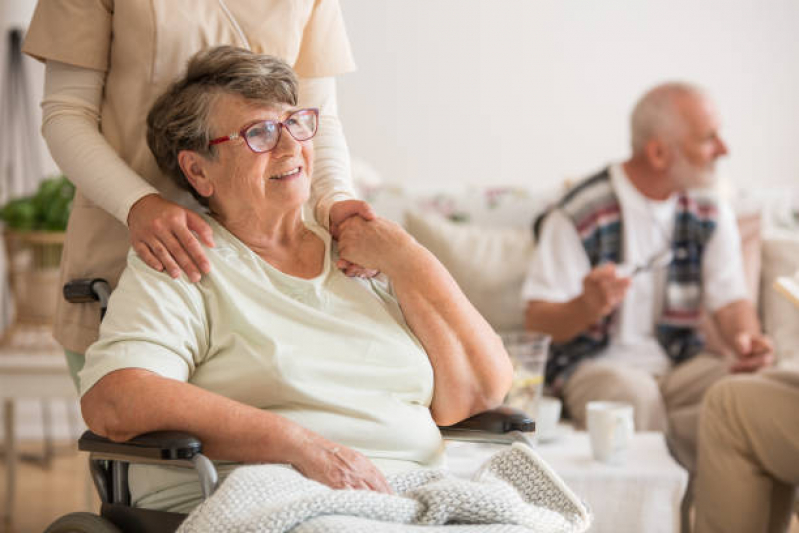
x: 107, y: 60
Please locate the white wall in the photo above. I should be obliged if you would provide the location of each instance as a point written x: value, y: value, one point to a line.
x: 17, y: 14
x: 513, y: 91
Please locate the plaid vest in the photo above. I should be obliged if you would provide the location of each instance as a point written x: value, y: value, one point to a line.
x: 595, y: 211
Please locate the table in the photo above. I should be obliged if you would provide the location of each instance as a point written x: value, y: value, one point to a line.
x: 644, y: 494
x: 27, y: 372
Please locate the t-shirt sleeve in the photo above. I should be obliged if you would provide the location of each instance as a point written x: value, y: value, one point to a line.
x: 325, y: 49
x: 153, y: 322
x: 559, y: 263
x: 76, y: 32
x: 723, y: 275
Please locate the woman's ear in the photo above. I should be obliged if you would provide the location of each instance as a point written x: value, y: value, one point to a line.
x: 195, y: 168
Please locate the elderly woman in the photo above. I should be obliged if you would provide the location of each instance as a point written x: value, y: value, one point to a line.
x: 276, y: 356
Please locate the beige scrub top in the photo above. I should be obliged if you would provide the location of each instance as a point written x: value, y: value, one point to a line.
x: 142, y: 46
x: 332, y: 353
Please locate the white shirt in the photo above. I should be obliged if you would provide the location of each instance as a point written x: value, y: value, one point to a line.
x: 560, y: 263
x: 334, y: 354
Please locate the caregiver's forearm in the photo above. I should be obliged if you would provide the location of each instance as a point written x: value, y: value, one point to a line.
x: 71, y: 127
x: 129, y: 402
x: 472, y: 370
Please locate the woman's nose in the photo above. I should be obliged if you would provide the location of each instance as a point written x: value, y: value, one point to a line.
x: 286, y: 144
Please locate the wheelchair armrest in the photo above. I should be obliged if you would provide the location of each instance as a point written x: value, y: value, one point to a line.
x: 158, y: 445
x: 503, y: 419
x: 87, y: 290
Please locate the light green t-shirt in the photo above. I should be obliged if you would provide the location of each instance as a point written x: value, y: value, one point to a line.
x: 332, y: 353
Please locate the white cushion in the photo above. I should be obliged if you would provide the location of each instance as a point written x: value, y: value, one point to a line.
x: 489, y: 263
x: 780, y: 316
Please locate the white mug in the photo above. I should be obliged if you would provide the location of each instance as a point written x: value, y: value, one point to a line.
x: 610, y: 428
x: 547, y: 418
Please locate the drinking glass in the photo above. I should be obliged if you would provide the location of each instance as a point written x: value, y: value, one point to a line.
x: 528, y: 353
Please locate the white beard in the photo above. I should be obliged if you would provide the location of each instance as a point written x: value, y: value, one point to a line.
x: 688, y: 176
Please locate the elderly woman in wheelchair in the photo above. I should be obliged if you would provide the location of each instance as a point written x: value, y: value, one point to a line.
x: 276, y: 356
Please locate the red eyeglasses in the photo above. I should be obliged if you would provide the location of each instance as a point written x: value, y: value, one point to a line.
x: 263, y: 136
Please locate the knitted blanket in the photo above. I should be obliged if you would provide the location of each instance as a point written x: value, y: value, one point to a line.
x: 514, y: 491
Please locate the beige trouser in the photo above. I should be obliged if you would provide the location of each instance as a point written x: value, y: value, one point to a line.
x: 669, y: 403
x: 748, y: 454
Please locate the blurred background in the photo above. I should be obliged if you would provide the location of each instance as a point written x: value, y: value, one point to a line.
x: 535, y: 91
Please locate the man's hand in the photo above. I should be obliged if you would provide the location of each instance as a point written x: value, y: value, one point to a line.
x: 754, y: 352
x: 341, y: 211
x: 161, y: 233
x: 603, y: 290
x: 378, y: 244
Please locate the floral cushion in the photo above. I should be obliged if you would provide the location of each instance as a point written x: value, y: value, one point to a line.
x: 499, y: 206
x: 488, y: 263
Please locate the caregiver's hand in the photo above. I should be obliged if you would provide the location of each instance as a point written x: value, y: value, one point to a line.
x: 337, y: 466
x: 341, y: 211
x: 161, y: 233
x: 379, y: 244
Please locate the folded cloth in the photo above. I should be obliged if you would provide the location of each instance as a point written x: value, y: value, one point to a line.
x: 514, y: 491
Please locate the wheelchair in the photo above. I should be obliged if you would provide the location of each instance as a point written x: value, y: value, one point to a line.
x: 109, y: 460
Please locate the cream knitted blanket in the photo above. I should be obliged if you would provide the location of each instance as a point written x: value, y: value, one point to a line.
x: 514, y: 491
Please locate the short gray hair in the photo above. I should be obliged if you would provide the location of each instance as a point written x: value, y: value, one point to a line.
x: 178, y: 120
x: 657, y: 114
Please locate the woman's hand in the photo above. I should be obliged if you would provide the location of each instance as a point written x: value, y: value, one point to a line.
x: 378, y: 244
x: 338, y: 467
x: 161, y: 233
x: 341, y: 211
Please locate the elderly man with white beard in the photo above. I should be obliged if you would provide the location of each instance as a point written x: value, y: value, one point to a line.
x: 626, y: 263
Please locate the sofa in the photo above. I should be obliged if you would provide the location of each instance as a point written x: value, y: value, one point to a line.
x: 484, y: 237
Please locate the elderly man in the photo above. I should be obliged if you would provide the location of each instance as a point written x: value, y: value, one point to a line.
x: 748, y: 466
x: 626, y: 262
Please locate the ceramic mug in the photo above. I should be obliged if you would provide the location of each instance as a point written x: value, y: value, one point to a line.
x: 610, y: 429
x: 547, y: 418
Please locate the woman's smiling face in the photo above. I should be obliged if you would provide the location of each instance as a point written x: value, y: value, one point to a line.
x: 243, y: 180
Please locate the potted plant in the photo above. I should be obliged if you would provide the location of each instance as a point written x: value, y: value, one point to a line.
x: 34, y: 238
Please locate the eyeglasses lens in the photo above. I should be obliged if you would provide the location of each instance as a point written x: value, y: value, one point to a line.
x: 264, y: 136
x: 302, y: 125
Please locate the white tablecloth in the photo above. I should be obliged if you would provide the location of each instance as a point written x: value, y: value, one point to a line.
x: 643, y: 495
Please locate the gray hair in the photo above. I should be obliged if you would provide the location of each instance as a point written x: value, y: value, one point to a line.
x: 657, y: 114
x: 178, y: 120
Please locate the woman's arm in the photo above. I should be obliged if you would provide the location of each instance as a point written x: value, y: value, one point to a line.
x: 472, y: 370
x: 132, y: 401
x: 161, y: 231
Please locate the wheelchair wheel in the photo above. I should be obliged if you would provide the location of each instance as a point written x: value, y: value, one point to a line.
x: 82, y: 523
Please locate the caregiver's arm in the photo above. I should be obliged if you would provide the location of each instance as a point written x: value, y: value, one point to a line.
x: 472, y: 370
x: 132, y: 401
x: 161, y: 232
